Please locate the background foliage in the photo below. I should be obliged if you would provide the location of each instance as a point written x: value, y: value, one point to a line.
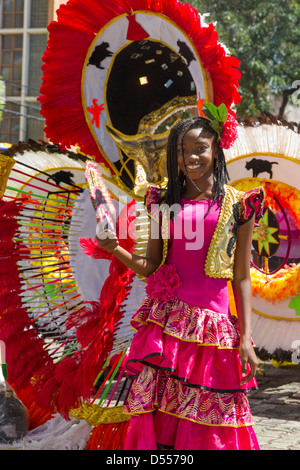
x: 265, y: 37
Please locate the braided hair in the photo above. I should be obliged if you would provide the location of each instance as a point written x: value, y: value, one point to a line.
x: 176, y: 180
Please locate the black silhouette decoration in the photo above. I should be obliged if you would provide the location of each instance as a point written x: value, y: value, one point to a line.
x: 234, y: 228
x: 62, y: 176
x: 260, y: 166
x: 99, y: 198
x: 99, y: 54
x: 185, y: 52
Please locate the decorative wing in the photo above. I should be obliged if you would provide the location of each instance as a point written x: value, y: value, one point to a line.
x: 64, y: 303
x: 266, y: 154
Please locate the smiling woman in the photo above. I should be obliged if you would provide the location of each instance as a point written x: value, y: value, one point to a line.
x: 190, y: 359
x: 205, y: 182
x: 196, y: 159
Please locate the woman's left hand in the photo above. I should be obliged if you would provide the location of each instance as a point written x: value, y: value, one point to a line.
x: 248, y: 356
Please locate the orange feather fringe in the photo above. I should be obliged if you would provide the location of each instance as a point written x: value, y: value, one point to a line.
x: 108, y: 436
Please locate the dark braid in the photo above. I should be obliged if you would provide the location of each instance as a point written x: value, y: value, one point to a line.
x: 176, y: 181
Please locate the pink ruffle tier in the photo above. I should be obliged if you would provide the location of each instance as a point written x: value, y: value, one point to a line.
x: 186, y: 371
x: 162, y: 431
x: 197, y: 346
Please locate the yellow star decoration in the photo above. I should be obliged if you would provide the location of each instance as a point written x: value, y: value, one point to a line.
x: 263, y: 234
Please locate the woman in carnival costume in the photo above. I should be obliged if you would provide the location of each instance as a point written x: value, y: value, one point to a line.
x: 191, y: 361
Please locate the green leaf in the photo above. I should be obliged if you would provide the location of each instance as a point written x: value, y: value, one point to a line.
x: 213, y: 110
x: 208, y: 114
x: 222, y: 112
x: 216, y: 126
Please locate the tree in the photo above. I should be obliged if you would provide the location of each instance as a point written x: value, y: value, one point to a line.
x: 265, y: 37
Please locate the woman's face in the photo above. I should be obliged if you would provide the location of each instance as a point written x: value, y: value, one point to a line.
x: 199, y: 152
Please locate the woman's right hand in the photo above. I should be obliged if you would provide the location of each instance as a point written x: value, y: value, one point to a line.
x: 142, y: 265
x: 106, y: 239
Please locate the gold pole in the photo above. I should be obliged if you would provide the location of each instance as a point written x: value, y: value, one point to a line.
x: 6, y: 164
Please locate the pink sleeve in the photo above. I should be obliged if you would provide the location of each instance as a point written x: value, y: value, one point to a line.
x: 252, y: 203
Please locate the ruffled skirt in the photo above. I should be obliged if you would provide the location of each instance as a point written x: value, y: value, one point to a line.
x: 186, y: 371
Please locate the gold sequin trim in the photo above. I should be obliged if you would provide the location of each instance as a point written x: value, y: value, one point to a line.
x: 218, y: 263
x: 95, y: 414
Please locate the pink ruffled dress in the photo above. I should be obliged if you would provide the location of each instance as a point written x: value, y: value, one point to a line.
x: 184, y: 359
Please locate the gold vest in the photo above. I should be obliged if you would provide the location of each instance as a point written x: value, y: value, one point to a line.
x: 220, y: 256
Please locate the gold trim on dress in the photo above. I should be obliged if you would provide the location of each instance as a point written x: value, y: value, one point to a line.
x: 179, y: 337
x: 137, y: 413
